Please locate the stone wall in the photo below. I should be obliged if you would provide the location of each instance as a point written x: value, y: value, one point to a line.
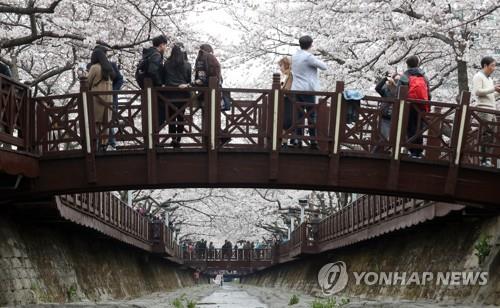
x: 440, y: 246
x: 61, y: 262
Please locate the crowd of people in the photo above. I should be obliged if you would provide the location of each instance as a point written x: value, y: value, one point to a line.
x: 176, y: 72
x: 299, y: 75
x: 244, y: 251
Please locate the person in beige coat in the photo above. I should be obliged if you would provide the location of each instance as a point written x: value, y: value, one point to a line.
x: 100, y: 78
x: 285, y: 65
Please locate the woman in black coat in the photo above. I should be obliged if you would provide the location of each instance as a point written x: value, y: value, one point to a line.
x: 177, y: 73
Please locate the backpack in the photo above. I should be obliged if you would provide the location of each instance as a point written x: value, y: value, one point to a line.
x: 201, y: 71
x: 141, y: 71
x: 4, y: 70
x: 418, y: 89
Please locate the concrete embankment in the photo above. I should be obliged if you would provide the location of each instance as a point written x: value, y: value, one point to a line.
x: 57, y: 261
x: 452, y: 244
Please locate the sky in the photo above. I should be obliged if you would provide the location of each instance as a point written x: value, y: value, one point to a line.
x: 217, y: 24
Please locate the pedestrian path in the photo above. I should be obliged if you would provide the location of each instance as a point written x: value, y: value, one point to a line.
x: 230, y: 296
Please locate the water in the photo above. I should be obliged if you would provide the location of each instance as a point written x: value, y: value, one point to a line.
x: 229, y: 297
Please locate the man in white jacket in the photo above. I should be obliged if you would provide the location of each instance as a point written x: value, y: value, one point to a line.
x: 305, y: 68
x: 484, y: 90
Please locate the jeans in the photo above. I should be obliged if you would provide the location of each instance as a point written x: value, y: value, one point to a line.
x: 415, y: 125
x: 113, y: 130
x: 487, y: 133
x: 385, y: 131
x: 310, y: 101
x: 385, y: 128
x: 352, y: 115
x: 178, y: 107
x: 287, y: 113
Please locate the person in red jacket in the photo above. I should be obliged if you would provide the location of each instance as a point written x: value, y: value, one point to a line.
x: 418, y: 89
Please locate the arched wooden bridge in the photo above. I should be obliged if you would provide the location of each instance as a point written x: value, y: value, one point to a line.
x: 48, y: 144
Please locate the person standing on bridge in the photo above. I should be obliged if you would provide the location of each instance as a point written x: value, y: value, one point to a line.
x: 151, y: 66
x: 211, y: 251
x: 285, y: 65
x: 386, y: 87
x: 305, y: 78
x: 177, y: 73
x: 100, y: 78
x: 196, y: 276
x: 207, y: 66
x: 117, y: 85
x: 484, y: 90
x: 418, y: 89
x: 229, y: 250
x: 236, y: 250
x: 4, y: 70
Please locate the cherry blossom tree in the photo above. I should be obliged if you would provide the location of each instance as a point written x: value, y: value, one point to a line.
x: 43, y: 41
x: 362, y: 39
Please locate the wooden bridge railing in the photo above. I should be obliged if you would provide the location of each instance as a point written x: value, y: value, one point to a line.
x: 16, y: 120
x: 107, y: 208
x: 164, y: 240
x: 162, y: 118
x: 365, y: 211
x: 229, y: 255
x: 308, y: 238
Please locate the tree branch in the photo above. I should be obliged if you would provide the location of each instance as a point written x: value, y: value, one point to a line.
x: 30, y: 9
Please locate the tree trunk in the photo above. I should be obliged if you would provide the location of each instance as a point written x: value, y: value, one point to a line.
x: 463, y: 78
x: 14, y: 69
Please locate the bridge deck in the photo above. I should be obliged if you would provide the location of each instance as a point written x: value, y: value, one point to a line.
x: 241, y: 147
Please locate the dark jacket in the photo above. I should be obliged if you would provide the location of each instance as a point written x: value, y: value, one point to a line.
x: 415, y: 71
x: 118, y: 81
x: 154, y: 65
x: 208, y: 66
x: 384, y: 91
x: 4, y: 70
x: 174, y: 76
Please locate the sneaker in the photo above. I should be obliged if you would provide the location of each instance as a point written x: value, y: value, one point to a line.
x: 416, y: 156
x: 296, y: 144
x: 486, y: 163
x: 224, y: 141
x: 110, y: 148
x: 175, y: 144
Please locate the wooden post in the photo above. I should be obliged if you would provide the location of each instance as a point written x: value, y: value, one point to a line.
x: 322, y: 122
x: 213, y: 127
x: 27, y: 130
x: 397, y: 134
x: 336, y: 131
x: 463, y: 118
x: 87, y: 129
x: 304, y: 238
x: 149, y: 128
x: 275, y: 128
x: 434, y: 137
